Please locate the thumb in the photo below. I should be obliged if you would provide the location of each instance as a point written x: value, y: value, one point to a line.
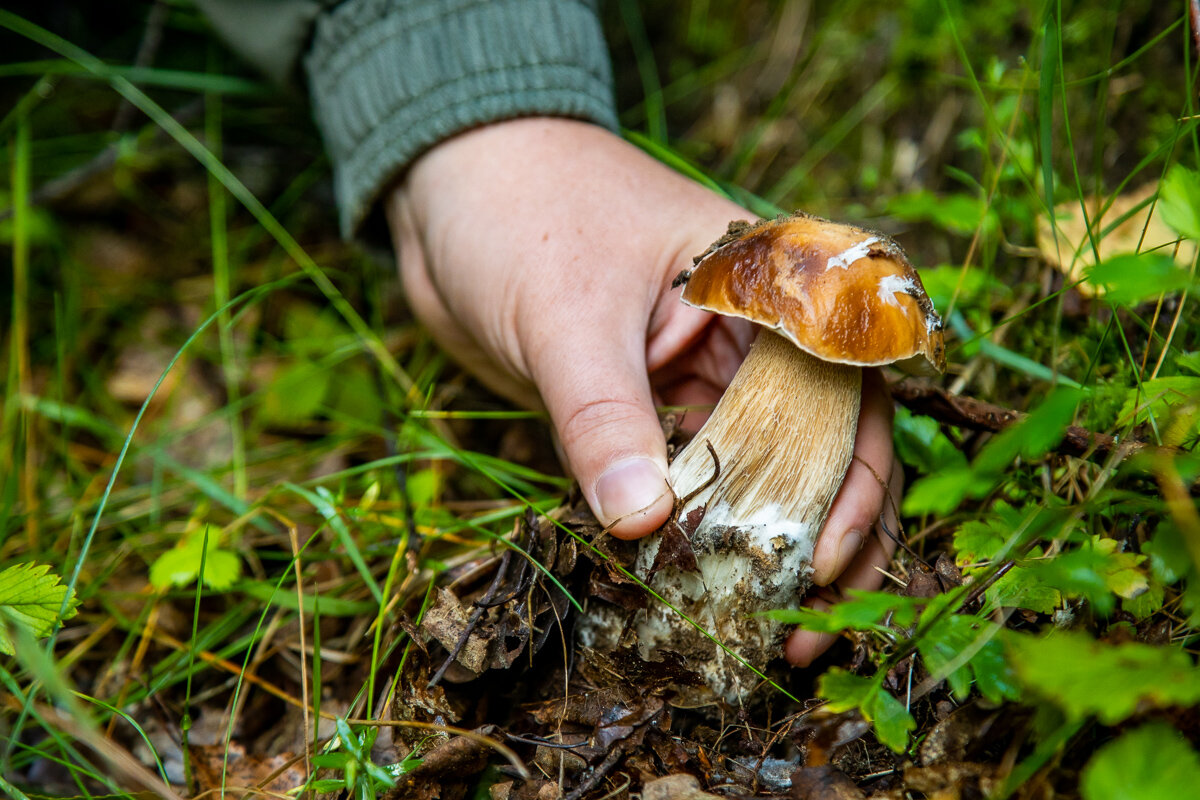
x: 600, y: 402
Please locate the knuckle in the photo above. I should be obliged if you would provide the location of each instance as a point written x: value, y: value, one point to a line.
x: 594, y: 417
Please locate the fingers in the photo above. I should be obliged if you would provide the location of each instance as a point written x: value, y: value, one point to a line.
x: 861, y: 498
x: 863, y: 572
x: 600, y: 403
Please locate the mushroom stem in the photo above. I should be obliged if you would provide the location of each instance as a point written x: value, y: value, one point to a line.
x: 783, y: 435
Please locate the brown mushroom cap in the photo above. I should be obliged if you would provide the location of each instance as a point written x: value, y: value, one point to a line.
x: 841, y: 293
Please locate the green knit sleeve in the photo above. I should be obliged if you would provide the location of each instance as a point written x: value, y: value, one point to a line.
x: 390, y: 78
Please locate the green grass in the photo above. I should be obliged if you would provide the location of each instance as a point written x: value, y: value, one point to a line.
x: 188, y: 347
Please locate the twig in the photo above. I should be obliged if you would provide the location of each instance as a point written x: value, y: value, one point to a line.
x: 967, y: 412
x: 598, y: 773
x: 476, y: 615
x: 1194, y: 7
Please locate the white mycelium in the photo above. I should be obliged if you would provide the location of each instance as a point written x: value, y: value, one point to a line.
x: 851, y: 254
x: 892, y: 285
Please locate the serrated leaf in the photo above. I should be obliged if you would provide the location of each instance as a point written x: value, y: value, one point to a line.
x: 1179, y: 201
x: 1085, y: 677
x: 920, y: 443
x: 892, y: 720
x: 1095, y: 571
x: 181, y: 565
x: 1153, y: 762
x: 1022, y: 587
x: 846, y: 691
x: 861, y: 611
x: 964, y: 649
x: 31, y: 597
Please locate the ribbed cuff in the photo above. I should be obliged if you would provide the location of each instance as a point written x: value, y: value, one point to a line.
x: 390, y: 79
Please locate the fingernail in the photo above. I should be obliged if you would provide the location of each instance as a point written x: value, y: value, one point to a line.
x: 851, y: 544
x: 829, y: 571
x: 628, y: 487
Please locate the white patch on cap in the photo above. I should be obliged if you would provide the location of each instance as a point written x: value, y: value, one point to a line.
x: 851, y: 254
x: 892, y: 285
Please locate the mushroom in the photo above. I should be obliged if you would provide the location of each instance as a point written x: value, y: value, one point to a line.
x: 756, y: 482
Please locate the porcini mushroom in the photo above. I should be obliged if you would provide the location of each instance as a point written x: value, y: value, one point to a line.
x: 758, y: 478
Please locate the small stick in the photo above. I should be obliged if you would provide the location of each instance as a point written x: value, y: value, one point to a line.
x: 476, y: 614
x: 967, y: 412
x: 597, y: 773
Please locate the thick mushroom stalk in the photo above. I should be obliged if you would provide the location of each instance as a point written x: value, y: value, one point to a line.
x: 782, y: 437
x: 757, y: 481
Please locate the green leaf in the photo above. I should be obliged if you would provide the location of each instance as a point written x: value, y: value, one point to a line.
x: 1022, y: 587
x: 31, y: 598
x: 1120, y: 571
x: 1170, y: 560
x: 181, y: 565
x: 1189, y: 361
x: 1085, y: 677
x: 1132, y: 277
x: 862, y: 611
x: 846, y: 691
x: 971, y: 286
x: 1095, y: 571
x: 957, y: 213
x: 1147, y: 603
x: 964, y: 648
x: 1179, y: 201
x: 920, y: 443
x: 941, y: 492
x: 1033, y: 436
x: 295, y: 394
x: 1156, y: 397
x: 982, y: 539
x: 1153, y: 762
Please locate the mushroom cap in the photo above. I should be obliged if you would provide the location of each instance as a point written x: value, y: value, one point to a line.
x: 841, y: 293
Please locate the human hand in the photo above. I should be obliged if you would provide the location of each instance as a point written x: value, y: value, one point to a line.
x: 540, y: 252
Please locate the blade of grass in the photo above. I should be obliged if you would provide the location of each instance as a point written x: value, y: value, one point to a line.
x: 182, y: 80
x: 222, y: 280
x: 323, y: 502
x: 656, y: 114
x: 18, y: 438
